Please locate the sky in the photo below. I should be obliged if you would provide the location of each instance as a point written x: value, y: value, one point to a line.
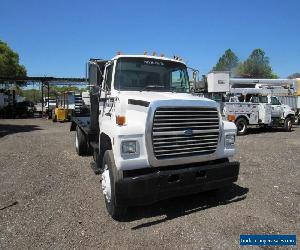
x: 56, y: 38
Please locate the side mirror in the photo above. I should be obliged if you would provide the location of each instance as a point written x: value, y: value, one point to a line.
x: 95, y: 76
x: 195, y: 82
x: 195, y: 75
x: 199, y: 85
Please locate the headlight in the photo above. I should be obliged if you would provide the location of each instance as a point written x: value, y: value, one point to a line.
x: 129, y: 147
x: 229, y: 140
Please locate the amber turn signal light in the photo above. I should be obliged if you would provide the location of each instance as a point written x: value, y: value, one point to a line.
x: 231, y: 118
x: 120, y: 120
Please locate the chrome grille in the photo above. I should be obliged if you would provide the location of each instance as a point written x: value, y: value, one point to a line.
x: 184, y: 131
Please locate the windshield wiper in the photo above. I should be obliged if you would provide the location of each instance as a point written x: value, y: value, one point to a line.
x: 179, y: 89
x: 152, y: 86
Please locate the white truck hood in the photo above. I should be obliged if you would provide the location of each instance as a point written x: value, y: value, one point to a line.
x: 152, y: 96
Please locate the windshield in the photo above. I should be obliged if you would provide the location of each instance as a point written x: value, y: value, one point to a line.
x: 144, y: 74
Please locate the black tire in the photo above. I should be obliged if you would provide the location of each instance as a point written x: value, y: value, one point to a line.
x: 241, y: 125
x: 288, y: 124
x: 115, y: 211
x: 80, y: 142
x: 98, y: 159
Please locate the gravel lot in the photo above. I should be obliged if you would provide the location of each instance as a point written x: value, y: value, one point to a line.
x: 50, y: 197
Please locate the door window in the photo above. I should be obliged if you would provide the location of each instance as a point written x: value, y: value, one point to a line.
x: 275, y: 101
x: 108, y: 77
x: 178, y: 81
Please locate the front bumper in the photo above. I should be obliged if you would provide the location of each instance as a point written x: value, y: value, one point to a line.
x: 167, y: 182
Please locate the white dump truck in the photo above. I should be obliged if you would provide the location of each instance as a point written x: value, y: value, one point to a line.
x: 150, y: 138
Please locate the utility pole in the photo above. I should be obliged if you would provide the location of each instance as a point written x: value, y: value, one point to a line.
x: 42, y: 89
x: 48, y: 99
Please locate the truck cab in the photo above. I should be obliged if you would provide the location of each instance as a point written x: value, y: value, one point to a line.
x: 150, y: 137
x: 278, y: 109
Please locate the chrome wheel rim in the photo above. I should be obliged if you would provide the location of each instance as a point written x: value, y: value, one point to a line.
x: 106, y: 185
x: 289, y: 125
x: 241, y: 127
x: 76, y: 141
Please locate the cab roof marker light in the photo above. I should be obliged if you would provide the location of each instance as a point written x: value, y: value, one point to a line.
x: 154, y: 53
x: 119, y: 53
x: 162, y: 55
x: 145, y: 53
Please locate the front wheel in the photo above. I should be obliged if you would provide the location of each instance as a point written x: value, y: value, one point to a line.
x: 109, y: 179
x: 288, y: 124
x: 241, y: 125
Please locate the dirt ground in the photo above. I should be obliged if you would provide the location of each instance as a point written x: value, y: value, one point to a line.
x: 51, y: 198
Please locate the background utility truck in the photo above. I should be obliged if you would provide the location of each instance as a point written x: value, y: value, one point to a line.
x: 151, y: 139
x: 252, y: 102
x: 263, y: 111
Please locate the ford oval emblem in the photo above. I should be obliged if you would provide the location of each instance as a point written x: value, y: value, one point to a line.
x: 188, y: 132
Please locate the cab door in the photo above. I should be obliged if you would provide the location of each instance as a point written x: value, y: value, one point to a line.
x: 276, y: 107
x: 106, y: 101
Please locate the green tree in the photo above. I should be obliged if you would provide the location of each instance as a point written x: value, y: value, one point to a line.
x: 295, y: 75
x: 9, y: 62
x: 227, y: 62
x: 61, y: 89
x: 33, y: 95
x: 256, y: 66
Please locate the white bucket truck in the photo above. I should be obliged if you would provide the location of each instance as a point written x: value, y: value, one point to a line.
x: 250, y: 102
x: 263, y: 111
x: 151, y: 139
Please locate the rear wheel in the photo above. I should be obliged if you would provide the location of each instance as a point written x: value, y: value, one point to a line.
x: 288, y: 124
x: 109, y: 179
x: 80, y: 142
x: 241, y: 125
